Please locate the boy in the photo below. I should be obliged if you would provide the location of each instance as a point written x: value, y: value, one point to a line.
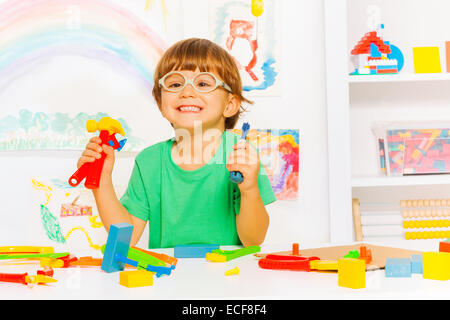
x: 181, y: 186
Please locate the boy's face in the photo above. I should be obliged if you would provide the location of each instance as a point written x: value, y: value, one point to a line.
x: 188, y: 107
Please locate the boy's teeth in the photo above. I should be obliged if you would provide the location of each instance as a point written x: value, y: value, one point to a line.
x: 189, y: 109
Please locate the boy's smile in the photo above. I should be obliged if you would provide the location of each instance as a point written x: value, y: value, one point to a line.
x: 189, y: 109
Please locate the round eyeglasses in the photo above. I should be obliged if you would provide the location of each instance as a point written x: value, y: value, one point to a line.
x: 203, y: 82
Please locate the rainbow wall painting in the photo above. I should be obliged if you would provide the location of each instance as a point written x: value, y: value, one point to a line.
x: 34, y: 30
x: 279, y: 154
x: 61, y: 61
x: 252, y: 41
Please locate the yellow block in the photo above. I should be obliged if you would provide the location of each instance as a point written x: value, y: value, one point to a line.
x: 324, y: 265
x: 352, y: 273
x: 436, y: 265
x: 137, y: 278
x: 427, y: 60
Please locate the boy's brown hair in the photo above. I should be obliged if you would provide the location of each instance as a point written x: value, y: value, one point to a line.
x: 208, y: 57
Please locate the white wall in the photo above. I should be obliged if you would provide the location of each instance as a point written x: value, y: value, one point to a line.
x: 302, y: 105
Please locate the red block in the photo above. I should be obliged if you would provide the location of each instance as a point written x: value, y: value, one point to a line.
x: 444, y: 246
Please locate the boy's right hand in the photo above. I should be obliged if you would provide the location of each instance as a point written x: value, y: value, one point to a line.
x: 93, y: 152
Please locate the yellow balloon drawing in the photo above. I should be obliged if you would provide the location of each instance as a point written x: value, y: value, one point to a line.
x: 257, y: 7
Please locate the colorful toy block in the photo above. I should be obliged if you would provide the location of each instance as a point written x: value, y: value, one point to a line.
x: 193, y: 250
x: 117, y: 253
x: 219, y: 255
x: 436, y: 265
x: 427, y: 60
x: 118, y: 243
x: 447, y: 54
x: 351, y: 273
x: 416, y: 263
x: 324, y: 265
x: 352, y: 254
x: 444, y: 246
x: 397, y: 268
x: 138, y: 278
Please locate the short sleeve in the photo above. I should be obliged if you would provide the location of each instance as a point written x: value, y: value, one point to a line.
x: 135, y: 198
x: 265, y: 190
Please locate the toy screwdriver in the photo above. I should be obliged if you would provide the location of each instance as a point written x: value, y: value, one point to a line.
x: 108, y: 127
x: 24, y: 278
x: 236, y: 176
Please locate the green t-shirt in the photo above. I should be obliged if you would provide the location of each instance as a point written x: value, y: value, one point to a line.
x: 188, y: 207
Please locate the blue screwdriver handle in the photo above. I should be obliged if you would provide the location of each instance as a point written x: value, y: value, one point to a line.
x: 236, y: 176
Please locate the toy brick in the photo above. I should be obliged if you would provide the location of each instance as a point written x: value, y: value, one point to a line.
x: 436, y: 265
x: 444, y: 246
x: 351, y: 273
x: 118, y: 242
x: 416, y: 263
x: 397, y: 267
x: 193, y: 250
x: 138, y: 278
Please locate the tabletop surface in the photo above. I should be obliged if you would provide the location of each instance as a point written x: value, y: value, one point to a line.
x: 199, y: 279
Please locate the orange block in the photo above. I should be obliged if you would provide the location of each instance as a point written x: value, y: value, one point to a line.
x: 447, y: 51
x: 444, y: 246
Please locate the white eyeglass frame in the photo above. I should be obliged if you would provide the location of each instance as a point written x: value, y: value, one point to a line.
x: 219, y: 83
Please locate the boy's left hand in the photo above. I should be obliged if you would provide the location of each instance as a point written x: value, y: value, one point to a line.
x: 244, y: 158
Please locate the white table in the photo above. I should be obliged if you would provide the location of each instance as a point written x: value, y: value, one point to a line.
x: 199, y: 279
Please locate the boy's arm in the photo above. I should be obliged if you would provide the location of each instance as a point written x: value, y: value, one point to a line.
x: 252, y: 221
x: 111, y: 211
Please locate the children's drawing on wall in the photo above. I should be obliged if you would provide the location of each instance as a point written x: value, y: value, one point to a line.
x: 248, y: 30
x: 279, y: 154
x: 30, y: 130
x: 63, y: 216
x: 59, y: 59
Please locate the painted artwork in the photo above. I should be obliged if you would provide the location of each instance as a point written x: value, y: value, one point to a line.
x: 279, y: 154
x: 61, y: 61
x: 249, y: 31
x: 64, y: 217
x: 59, y: 131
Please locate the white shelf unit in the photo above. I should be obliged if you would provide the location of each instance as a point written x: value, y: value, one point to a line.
x: 344, y: 179
x: 399, y: 77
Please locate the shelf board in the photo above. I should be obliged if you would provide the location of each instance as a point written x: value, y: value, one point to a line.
x: 399, y: 77
x: 382, y: 181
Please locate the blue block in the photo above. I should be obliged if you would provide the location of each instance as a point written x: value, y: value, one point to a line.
x: 416, y: 264
x: 118, y: 243
x: 193, y: 250
x: 397, y: 267
x: 374, y: 51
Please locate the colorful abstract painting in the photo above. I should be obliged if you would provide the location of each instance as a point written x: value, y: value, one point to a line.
x: 252, y: 38
x: 64, y: 217
x: 279, y: 154
x: 61, y: 61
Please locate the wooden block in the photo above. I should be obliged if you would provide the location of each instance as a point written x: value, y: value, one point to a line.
x: 436, y: 265
x: 138, y: 278
x: 427, y: 60
x: 351, y: 273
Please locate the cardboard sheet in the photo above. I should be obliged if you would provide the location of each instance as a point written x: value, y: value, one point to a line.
x: 379, y: 253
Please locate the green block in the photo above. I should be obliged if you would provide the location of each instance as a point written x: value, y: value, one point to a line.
x: 352, y: 254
